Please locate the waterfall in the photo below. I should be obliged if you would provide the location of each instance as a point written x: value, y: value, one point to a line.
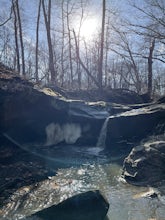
x: 103, y: 134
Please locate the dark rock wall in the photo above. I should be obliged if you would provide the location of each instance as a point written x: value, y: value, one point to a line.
x: 26, y: 112
x: 145, y: 165
x: 134, y: 125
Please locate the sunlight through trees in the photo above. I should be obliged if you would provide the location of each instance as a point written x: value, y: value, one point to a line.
x: 84, y: 45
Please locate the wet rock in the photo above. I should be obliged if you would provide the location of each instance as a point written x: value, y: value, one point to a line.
x: 89, y: 205
x: 150, y: 193
x: 19, y: 168
x: 145, y: 164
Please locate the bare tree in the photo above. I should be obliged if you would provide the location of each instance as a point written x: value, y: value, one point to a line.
x: 16, y: 36
x: 153, y: 18
x: 151, y: 26
x: 100, y: 67
x: 82, y: 63
x: 47, y: 19
x: 68, y: 12
x: 78, y: 42
x: 150, y: 61
x: 63, y: 43
x: 20, y: 35
x: 37, y: 42
x: 123, y: 48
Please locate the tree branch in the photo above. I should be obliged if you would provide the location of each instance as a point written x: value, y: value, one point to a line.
x: 8, y: 19
x: 81, y: 62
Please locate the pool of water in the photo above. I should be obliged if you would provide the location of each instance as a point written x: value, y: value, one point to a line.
x: 84, y: 169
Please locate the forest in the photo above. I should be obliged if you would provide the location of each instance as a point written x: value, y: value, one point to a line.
x: 82, y: 109
x: 85, y: 44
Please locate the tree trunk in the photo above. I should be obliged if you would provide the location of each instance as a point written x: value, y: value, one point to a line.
x: 81, y: 62
x: 70, y: 46
x: 16, y: 37
x: 47, y: 19
x: 106, y: 52
x: 151, y: 49
x: 63, y: 44
x: 78, y: 42
x: 100, y: 67
x: 37, y: 42
x: 21, y: 37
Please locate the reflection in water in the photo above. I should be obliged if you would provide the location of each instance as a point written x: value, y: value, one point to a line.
x: 81, y: 176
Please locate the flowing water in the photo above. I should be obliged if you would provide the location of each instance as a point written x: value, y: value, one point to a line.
x: 102, y: 136
x: 87, y: 169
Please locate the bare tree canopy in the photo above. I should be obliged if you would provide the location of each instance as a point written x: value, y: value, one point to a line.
x: 109, y: 47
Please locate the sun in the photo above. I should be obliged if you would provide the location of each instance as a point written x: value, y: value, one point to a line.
x: 88, y: 28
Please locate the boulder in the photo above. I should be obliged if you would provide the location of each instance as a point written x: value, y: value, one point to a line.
x: 134, y: 125
x: 84, y: 206
x: 145, y: 164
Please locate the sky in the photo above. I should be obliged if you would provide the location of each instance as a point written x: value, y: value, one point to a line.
x: 95, y: 8
x: 31, y: 6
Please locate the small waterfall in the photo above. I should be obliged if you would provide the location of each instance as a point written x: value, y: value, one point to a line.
x: 103, y: 134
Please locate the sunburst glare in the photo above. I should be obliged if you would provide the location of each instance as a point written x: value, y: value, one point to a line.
x: 88, y: 29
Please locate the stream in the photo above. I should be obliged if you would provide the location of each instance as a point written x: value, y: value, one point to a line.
x: 79, y: 169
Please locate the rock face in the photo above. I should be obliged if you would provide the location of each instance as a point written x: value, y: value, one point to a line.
x: 123, y: 96
x: 145, y: 165
x: 84, y: 206
x: 37, y: 116
x: 40, y: 116
x: 134, y: 125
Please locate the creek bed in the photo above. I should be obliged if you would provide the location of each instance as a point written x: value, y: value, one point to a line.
x: 56, y: 173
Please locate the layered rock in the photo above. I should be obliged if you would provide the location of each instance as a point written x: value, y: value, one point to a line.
x: 134, y: 125
x: 41, y: 116
x: 145, y: 164
x: 119, y: 96
x: 32, y: 115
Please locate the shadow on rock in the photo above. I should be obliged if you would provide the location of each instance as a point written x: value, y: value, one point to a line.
x: 88, y: 205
